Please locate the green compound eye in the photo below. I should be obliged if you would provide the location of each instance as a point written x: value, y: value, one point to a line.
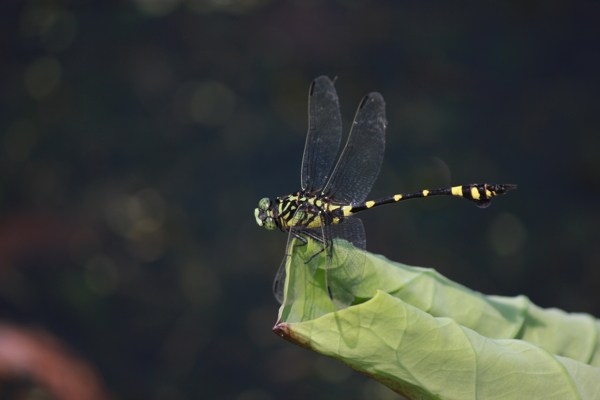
x: 259, y: 221
x: 270, y: 224
x: 264, y: 215
x: 264, y: 203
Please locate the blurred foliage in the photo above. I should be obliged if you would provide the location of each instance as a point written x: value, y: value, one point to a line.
x: 137, y: 137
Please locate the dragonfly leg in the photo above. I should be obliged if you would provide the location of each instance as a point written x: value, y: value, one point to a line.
x: 304, y: 241
x: 314, y: 255
x: 300, y: 238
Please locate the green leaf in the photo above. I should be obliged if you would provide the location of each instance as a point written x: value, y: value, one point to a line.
x: 427, y: 337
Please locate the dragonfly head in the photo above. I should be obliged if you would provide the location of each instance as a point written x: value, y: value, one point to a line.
x: 264, y: 214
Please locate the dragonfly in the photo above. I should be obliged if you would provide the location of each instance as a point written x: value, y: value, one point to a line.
x: 324, y: 209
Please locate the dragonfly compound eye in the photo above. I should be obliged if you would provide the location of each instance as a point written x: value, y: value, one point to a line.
x: 264, y: 217
x: 259, y: 215
x: 264, y: 203
x: 270, y: 224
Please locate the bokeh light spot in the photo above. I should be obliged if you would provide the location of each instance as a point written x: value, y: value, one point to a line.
x: 58, y: 31
x: 42, y: 77
x: 212, y: 104
x: 133, y: 215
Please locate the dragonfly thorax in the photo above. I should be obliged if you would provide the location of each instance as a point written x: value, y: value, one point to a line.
x: 303, y: 209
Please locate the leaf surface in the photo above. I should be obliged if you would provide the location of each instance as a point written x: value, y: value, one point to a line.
x: 427, y: 337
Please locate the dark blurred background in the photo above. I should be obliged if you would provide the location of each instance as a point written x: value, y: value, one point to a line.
x: 138, y: 136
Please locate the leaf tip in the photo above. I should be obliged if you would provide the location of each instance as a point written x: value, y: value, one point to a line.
x: 284, y: 330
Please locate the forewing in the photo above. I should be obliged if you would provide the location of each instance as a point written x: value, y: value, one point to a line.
x: 324, y: 134
x: 360, y: 162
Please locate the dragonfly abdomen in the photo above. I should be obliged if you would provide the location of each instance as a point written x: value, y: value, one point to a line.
x: 480, y: 193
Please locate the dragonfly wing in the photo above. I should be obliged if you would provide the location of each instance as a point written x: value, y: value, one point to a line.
x: 324, y: 134
x: 279, y: 283
x: 360, y: 162
x: 345, y: 265
x: 302, y: 274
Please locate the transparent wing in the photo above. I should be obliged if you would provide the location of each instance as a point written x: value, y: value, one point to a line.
x: 324, y: 134
x: 298, y: 236
x: 345, y: 267
x: 279, y: 282
x: 343, y: 264
x: 360, y: 162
